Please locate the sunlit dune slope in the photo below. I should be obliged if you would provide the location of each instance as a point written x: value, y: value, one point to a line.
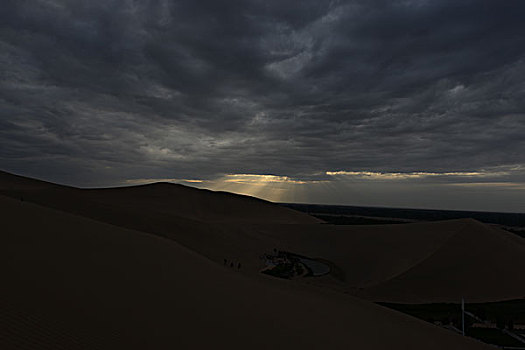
x: 73, y: 283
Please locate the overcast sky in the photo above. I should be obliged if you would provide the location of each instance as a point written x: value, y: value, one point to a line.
x: 410, y: 103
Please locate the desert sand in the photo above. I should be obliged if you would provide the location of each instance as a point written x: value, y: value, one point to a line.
x: 142, y: 267
x: 416, y: 263
x: 69, y: 282
x: 419, y: 263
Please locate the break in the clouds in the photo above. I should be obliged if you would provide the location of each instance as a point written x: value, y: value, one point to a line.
x: 313, y: 93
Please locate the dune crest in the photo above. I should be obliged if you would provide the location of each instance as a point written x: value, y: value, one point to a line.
x: 157, y: 198
x: 479, y: 263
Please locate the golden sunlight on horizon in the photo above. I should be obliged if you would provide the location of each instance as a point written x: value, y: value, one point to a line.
x: 269, y: 187
x: 354, y: 187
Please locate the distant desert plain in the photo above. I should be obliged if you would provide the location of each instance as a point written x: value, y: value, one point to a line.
x: 166, y: 266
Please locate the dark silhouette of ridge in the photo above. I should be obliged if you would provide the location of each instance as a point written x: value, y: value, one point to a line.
x: 179, y: 200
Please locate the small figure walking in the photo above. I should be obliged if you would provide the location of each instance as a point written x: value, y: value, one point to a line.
x: 231, y: 264
x: 225, y: 262
x: 238, y: 265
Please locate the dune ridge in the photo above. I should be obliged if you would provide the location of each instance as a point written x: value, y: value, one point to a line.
x: 476, y: 263
x: 162, y: 198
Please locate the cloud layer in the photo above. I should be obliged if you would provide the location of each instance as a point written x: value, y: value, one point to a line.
x: 100, y: 92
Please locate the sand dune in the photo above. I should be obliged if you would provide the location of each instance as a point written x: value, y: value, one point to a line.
x: 478, y: 262
x: 367, y: 254
x: 201, y: 205
x: 69, y: 282
x: 214, y: 224
x: 422, y: 262
x: 158, y: 198
x: 418, y: 263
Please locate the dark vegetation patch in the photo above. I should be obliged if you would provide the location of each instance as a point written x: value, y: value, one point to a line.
x: 285, y: 265
x: 289, y: 265
x: 356, y: 220
x: 502, y: 315
x: 516, y: 230
x: 284, y: 270
x: 499, y: 312
x: 494, y: 336
x: 507, y: 219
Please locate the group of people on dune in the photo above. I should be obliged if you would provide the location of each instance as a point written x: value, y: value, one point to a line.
x: 231, y: 263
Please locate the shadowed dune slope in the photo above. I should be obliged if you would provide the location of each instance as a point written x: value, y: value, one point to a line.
x: 10, y: 182
x: 479, y: 263
x: 420, y: 262
x: 214, y: 224
x: 160, y: 198
x: 368, y: 254
x: 202, y: 205
x: 73, y: 283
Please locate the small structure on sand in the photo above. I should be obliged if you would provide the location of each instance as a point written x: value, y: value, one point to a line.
x: 289, y: 265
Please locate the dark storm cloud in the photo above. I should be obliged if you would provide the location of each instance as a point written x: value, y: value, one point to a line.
x: 95, y: 92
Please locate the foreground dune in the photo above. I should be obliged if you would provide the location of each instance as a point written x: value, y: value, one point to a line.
x: 69, y: 282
